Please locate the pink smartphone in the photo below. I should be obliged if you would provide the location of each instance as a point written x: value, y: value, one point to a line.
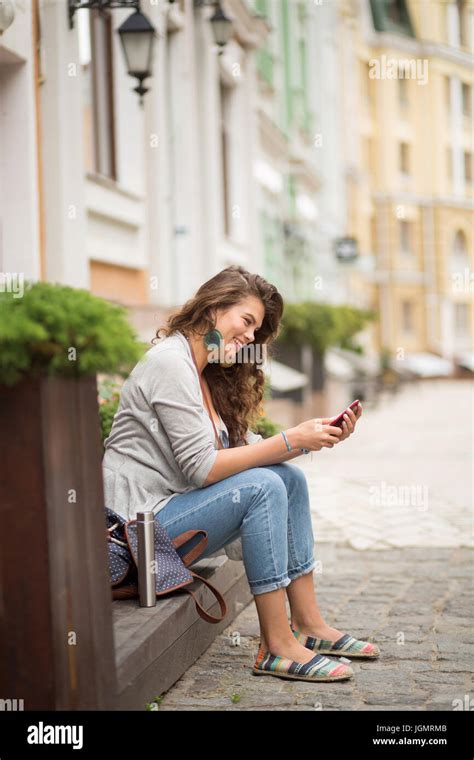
x: 337, y: 421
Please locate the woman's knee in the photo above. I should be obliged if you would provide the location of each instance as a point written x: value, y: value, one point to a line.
x: 269, y: 481
x: 292, y: 476
x: 268, y: 492
x: 298, y: 478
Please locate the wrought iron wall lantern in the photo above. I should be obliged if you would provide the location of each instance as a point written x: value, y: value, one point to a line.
x: 346, y: 248
x: 7, y: 14
x: 220, y: 23
x: 137, y: 36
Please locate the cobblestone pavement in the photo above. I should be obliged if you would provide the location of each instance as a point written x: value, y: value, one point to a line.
x: 393, y: 568
x: 404, y: 478
x: 416, y: 603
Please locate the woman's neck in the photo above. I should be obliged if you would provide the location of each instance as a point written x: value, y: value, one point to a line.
x: 201, y: 353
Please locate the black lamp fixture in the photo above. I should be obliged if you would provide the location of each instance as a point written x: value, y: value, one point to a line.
x: 220, y: 23
x: 137, y: 36
x: 221, y: 27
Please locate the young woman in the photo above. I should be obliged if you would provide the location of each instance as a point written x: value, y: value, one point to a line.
x: 181, y: 445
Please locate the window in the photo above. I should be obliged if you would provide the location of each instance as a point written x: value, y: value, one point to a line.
x: 403, y: 158
x: 265, y: 64
x: 467, y: 166
x: 405, y: 236
x: 462, y: 15
x: 403, y: 100
x: 466, y: 99
x: 447, y: 84
x: 264, y: 55
x: 457, y: 22
x: 272, y: 236
x: 461, y: 318
x: 460, y: 254
x: 95, y: 51
x: 449, y: 163
x: 373, y: 235
x: 407, y: 317
x: 391, y: 16
x: 306, y: 116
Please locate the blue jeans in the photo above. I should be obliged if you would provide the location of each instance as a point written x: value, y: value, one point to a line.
x: 268, y: 507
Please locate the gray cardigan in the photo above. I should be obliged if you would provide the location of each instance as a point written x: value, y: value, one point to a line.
x: 162, y: 441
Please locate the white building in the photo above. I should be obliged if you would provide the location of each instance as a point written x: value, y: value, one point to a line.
x: 139, y: 205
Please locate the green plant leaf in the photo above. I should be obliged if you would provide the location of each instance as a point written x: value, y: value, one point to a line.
x: 59, y: 330
x: 322, y: 325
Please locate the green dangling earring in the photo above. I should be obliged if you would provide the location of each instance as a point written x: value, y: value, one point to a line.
x: 214, y: 338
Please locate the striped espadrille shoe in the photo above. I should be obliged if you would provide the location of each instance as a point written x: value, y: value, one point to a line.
x: 346, y: 646
x: 318, y: 669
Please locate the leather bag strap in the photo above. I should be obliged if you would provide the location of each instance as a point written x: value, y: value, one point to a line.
x: 201, y: 611
x: 196, y: 551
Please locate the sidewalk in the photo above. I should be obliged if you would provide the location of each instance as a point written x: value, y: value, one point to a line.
x: 418, y: 595
x: 393, y: 527
x: 404, y: 478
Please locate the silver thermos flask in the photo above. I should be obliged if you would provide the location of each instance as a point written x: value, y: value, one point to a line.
x: 146, y: 558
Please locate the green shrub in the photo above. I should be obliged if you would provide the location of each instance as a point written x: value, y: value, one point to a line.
x: 109, y: 400
x: 59, y: 330
x: 323, y: 325
x: 266, y: 428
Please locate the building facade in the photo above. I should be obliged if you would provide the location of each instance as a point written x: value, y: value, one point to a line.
x: 408, y: 89
x: 142, y: 204
x: 328, y: 146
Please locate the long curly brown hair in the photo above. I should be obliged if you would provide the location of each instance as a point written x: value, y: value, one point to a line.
x: 237, y: 391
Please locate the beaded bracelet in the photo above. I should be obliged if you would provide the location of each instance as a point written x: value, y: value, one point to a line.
x: 288, y: 445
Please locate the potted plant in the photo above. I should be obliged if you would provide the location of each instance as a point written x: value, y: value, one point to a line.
x: 321, y: 325
x: 109, y: 400
x: 389, y: 378
x: 308, y: 330
x: 58, y: 650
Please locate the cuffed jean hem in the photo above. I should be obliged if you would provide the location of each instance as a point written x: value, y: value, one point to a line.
x: 257, y: 587
x: 264, y: 588
x: 302, y: 569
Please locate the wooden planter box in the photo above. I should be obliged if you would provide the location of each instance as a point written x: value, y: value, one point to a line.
x: 56, y: 640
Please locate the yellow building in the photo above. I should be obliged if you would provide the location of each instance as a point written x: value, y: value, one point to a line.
x: 407, y: 84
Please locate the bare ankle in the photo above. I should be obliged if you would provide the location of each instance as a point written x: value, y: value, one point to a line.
x: 278, y: 643
x: 312, y: 624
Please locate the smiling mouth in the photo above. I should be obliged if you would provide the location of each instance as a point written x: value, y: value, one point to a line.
x: 237, y: 343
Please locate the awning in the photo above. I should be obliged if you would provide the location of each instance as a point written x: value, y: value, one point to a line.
x: 466, y: 360
x: 338, y: 366
x: 283, y: 378
x: 424, y: 365
x: 361, y: 364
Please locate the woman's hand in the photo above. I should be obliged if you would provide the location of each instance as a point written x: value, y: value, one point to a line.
x: 317, y: 434
x: 349, y: 422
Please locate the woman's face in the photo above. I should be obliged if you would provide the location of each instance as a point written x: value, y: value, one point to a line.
x: 239, y: 323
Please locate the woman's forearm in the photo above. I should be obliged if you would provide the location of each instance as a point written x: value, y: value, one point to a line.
x: 287, y: 455
x: 269, y: 451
